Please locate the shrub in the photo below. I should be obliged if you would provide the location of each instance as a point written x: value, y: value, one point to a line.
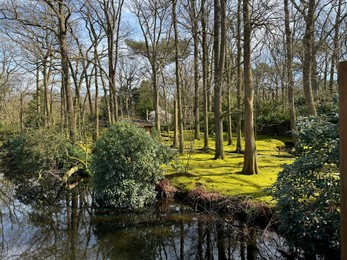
x: 42, y: 150
x: 125, y: 164
x: 307, y: 191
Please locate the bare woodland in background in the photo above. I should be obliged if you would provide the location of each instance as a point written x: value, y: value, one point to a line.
x: 82, y: 65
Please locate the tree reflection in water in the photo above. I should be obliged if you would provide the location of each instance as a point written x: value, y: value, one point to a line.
x: 44, y: 221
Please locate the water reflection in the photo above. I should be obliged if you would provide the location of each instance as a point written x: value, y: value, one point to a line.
x: 51, y: 223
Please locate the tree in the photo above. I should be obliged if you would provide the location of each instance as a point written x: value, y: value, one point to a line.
x: 219, y: 35
x: 110, y: 22
x: 178, y: 78
x: 308, y: 13
x: 239, y: 79
x: 205, y: 69
x: 289, y: 66
x: 152, y: 16
x: 250, y: 164
x: 194, y: 24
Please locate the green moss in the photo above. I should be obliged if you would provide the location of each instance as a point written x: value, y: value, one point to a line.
x: 224, y: 176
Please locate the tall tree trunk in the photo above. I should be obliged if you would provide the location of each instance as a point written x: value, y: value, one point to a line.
x: 228, y: 71
x: 334, y: 57
x: 196, y: 69
x: 250, y: 164
x: 175, y: 139
x: 156, y: 96
x: 219, y: 55
x: 204, y: 72
x: 289, y: 68
x: 178, y: 79
x: 308, y: 58
x: 96, y: 101
x: 62, y: 19
x: 239, y: 81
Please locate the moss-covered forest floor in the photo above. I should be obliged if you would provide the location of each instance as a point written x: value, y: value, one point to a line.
x: 198, y: 169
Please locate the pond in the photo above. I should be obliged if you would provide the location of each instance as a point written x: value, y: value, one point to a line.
x: 39, y: 220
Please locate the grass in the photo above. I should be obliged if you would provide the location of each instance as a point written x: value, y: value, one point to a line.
x: 198, y: 168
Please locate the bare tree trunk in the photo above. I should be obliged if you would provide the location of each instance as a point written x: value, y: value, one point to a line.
x: 205, y: 72
x: 308, y: 59
x: 239, y: 81
x: 229, y: 118
x: 289, y: 67
x: 175, y: 139
x: 178, y: 79
x: 334, y: 57
x: 195, y: 28
x: 62, y: 19
x: 219, y: 55
x: 250, y: 164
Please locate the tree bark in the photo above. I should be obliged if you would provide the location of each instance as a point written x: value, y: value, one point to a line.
x: 205, y: 72
x: 308, y: 58
x: 239, y: 81
x: 62, y: 34
x: 178, y: 79
x: 250, y: 164
x: 289, y: 67
x: 219, y: 55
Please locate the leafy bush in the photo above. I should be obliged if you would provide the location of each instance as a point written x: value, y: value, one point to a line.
x: 271, y: 113
x: 307, y: 191
x: 42, y: 150
x: 126, y: 163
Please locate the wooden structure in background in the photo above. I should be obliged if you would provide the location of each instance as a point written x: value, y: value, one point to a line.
x: 342, y: 78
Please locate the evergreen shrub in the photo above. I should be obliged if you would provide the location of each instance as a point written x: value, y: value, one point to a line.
x: 126, y: 163
x: 307, y: 191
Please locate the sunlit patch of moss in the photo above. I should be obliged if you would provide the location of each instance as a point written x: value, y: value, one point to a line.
x: 224, y: 176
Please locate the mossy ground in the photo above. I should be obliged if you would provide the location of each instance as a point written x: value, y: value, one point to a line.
x: 198, y: 168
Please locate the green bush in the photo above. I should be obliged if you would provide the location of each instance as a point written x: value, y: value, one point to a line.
x: 125, y: 164
x: 42, y: 150
x: 271, y: 113
x: 307, y: 191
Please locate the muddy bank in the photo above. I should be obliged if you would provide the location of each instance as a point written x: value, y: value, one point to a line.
x: 243, y: 208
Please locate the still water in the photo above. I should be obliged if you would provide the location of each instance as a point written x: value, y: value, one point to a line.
x: 40, y: 220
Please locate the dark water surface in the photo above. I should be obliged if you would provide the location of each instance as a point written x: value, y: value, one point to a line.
x: 51, y: 223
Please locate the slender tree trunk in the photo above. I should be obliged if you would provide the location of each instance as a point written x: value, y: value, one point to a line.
x: 178, y: 79
x: 289, y: 67
x: 334, y: 57
x: 96, y: 101
x: 156, y: 96
x: 175, y: 139
x: 250, y: 164
x: 45, y: 92
x: 38, y: 89
x: 205, y: 72
x: 308, y: 59
x: 239, y: 81
x: 229, y: 76
x: 196, y: 71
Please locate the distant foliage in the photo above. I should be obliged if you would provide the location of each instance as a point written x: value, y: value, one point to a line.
x: 307, y: 191
x: 271, y: 113
x: 126, y: 162
x: 42, y: 150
